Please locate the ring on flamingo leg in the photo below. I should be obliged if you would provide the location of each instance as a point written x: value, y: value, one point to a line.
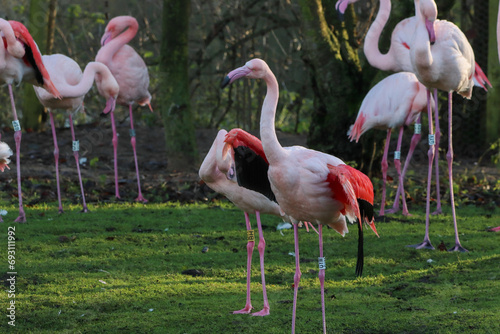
x: 76, y: 149
x: 250, y: 245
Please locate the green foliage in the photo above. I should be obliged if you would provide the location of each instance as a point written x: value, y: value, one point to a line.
x: 119, y: 268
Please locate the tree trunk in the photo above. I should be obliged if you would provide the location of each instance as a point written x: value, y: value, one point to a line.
x: 493, y: 110
x: 174, y: 86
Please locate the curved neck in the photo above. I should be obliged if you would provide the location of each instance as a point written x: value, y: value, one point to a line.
x: 421, y: 44
x: 108, y: 50
x: 272, y: 147
x: 371, y: 49
x: 8, y: 32
x: 81, y: 88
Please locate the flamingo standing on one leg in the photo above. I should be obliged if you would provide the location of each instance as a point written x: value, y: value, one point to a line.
x: 20, y: 60
x: 218, y: 172
x: 131, y: 74
x: 448, y: 65
x: 308, y: 185
x: 397, y: 59
x: 395, y: 102
x: 73, y: 86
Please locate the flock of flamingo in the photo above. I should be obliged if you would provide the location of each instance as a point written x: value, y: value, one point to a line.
x: 300, y: 185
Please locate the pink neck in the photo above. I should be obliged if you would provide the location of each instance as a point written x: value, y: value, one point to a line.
x: 82, y: 87
x: 108, y: 50
x: 371, y: 50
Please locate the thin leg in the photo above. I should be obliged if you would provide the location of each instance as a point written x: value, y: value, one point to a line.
x: 436, y: 166
x: 384, y: 170
x: 76, y: 155
x: 296, y: 278
x: 56, y: 158
x: 449, y: 157
x: 262, y: 247
x: 17, y: 138
x: 415, y: 139
x: 397, y: 164
x: 139, y: 198
x: 321, y: 275
x: 427, y: 243
x: 250, y: 244
x: 115, y: 155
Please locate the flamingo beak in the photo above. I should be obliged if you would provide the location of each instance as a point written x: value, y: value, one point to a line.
x: 110, y: 105
x: 106, y: 38
x: 341, y: 7
x: 431, y: 31
x: 235, y: 75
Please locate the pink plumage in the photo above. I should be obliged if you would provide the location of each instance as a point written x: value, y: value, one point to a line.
x: 132, y: 76
x: 5, y: 153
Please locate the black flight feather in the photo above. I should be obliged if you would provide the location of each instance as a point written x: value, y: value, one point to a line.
x: 31, y: 60
x: 366, y: 213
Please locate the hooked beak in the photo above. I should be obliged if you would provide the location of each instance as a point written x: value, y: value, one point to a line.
x: 110, y: 105
x: 106, y: 38
x: 235, y: 75
x: 341, y: 7
x: 429, y: 25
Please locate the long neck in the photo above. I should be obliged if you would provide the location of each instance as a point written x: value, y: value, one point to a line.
x: 108, y: 50
x: 81, y: 88
x: 371, y: 50
x: 8, y: 32
x: 272, y: 147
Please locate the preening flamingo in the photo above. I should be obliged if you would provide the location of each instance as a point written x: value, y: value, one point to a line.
x: 308, y: 185
x: 218, y: 172
x: 397, y: 59
x: 132, y: 76
x: 20, y: 60
x: 73, y: 85
x: 395, y: 102
x: 448, y: 65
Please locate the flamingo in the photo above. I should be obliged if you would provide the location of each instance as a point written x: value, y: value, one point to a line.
x: 397, y: 59
x: 20, y: 60
x: 218, y: 172
x: 73, y: 85
x: 395, y: 102
x: 5, y: 153
x: 308, y: 185
x: 132, y: 76
x: 448, y: 65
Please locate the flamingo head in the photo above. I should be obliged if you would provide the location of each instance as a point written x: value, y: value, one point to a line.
x: 253, y: 69
x: 428, y: 10
x: 5, y: 153
x: 116, y: 26
x: 109, y: 88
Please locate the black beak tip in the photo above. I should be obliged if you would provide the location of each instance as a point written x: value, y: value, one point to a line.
x: 341, y: 16
x: 225, y: 82
x: 432, y: 43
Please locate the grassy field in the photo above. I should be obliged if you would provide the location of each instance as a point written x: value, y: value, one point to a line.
x: 120, y: 268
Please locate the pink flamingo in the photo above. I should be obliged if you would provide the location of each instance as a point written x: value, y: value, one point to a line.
x: 308, y: 185
x: 397, y: 59
x: 132, y: 76
x: 20, y: 60
x: 395, y: 102
x: 448, y: 65
x: 218, y: 172
x: 5, y: 153
x: 73, y: 86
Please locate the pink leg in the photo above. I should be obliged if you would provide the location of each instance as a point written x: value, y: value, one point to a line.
x: 250, y: 244
x: 115, y: 155
x: 427, y: 243
x: 139, y: 198
x: 397, y: 164
x: 384, y: 170
x: 56, y: 158
x: 321, y: 275
x: 296, y: 278
x: 449, y: 157
x: 17, y: 138
x: 262, y: 247
x: 414, y: 141
x: 76, y: 146
x: 436, y: 166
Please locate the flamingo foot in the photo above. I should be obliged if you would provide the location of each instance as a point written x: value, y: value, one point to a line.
x: 425, y: 244
x: 458, y: 248
x: 438, y: 212
x: 21, y: 218
x: 61, y: 210
x: 263, y: 313
x: 85, y: 210
x: 393, y: 210
x: 141, y: 198
x: 248, y: 308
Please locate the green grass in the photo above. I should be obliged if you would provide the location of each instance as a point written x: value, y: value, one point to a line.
x: 119, y: 269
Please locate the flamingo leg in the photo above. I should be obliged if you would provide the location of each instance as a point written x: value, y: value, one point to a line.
x: 385, y: 166
x: 250, y: 244
x: 427, y: 242
x: 415, y: 139
x: 56, y: 158
x: 436, y: 166
x: 449, y: 157
x: 262, y: 247
x: 76, y: 147
x: 397, y: 164
x: 321, y: 275
x: 296, y: 278
x: 115, y: 155
x: 139, y: 198
x: 17, y: 138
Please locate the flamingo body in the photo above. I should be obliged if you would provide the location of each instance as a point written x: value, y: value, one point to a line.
x: 5, y: 153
